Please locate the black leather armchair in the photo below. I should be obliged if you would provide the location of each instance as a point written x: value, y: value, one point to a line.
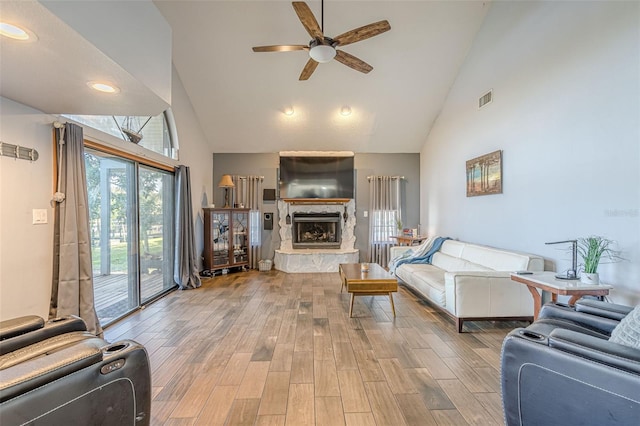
x: 562, y: 370
x: 57, y: 373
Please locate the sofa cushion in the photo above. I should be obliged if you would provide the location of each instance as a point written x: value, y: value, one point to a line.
x: 427, y: 280
x: 627, y: 333
x: 450, y: 263
x: 452, y: 248
x: 499, y: 260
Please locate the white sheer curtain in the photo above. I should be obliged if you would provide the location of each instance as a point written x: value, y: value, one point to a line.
x: 248, y: 192
x: 385, y: 214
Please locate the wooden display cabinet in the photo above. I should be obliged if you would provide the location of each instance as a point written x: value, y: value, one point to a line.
x: 226, y: 238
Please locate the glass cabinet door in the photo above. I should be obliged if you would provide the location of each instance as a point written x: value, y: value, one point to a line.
x: 240, y: 237
x: 220, y: 237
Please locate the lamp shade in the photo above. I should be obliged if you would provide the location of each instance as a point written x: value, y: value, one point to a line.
x: 226, y: 182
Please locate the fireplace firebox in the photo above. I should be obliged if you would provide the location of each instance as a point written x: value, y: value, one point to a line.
x: 315, y: 230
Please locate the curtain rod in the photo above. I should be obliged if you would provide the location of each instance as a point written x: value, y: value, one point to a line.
x: 392, y: 177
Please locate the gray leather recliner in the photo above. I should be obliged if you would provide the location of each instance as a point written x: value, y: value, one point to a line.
x: 562, y: 370
x: 57, y: 373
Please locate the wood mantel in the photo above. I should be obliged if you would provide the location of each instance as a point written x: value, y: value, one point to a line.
x: 316, y: 200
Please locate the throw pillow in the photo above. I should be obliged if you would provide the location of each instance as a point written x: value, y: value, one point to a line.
x: 628, y: 331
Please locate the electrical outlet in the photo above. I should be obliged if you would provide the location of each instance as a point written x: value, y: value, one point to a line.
x: 39, y: 216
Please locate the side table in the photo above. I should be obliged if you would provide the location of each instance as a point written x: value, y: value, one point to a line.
x: 547, y: 281
x: 407, y: 240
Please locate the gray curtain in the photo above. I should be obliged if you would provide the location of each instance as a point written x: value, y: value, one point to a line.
x: 72, y: 286
x: 237, y: 192
x: 253, y: 200
x: 185, y: 267
x: 384, y: 216
x: 248, y: 192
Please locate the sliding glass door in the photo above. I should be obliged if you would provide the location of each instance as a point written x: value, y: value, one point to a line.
x: 131, y: 232
x: 155, y: 192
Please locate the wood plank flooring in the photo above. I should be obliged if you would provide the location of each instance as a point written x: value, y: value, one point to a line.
x: 269, y: 348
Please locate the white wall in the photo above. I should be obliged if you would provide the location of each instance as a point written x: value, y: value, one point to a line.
x: 566, y: 114
x: 26, y: 250
x: 195, y: 153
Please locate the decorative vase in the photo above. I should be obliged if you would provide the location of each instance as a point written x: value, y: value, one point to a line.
x: 592, y: 279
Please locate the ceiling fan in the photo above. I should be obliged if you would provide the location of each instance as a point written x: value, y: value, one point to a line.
x: 323, y: 49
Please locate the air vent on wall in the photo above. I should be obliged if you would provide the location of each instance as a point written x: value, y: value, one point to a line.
x: 485, y: 99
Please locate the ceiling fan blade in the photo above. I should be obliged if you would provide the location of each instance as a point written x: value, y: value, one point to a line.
x: 308, y: 20
x: 281, y: 48
x: 352, y: 62
x: 362, y: 33
x: 308, y: 69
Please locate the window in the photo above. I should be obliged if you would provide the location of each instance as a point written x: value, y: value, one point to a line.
x: 384, y: 224
x: 254, y: 228
x: 131, y: 226
x: 151, y: 133
x: 385, y: 196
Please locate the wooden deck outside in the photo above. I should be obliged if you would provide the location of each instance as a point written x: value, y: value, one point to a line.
x: 111, y: 293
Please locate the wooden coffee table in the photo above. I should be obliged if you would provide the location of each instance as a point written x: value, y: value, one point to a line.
x: 375, y: 282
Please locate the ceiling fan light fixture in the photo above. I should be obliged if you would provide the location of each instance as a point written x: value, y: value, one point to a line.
x: 322, y: 53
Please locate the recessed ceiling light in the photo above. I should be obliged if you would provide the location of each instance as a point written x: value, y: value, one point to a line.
x: 101, y: 86
x: 345, y: 110
x: 15, y: 32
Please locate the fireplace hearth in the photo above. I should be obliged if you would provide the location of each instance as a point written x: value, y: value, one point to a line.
x: 315, y: 230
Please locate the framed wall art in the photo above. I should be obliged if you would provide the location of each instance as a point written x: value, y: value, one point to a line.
x: 484, y: 175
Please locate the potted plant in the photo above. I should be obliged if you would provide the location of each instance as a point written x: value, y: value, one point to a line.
x: 399, y: 226
x: 593, y: 249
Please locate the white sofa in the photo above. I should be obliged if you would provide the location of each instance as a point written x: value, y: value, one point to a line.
x: 472, y: 282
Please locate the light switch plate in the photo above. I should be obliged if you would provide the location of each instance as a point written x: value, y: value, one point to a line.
x: 39, y: 216
x: 366, y: 213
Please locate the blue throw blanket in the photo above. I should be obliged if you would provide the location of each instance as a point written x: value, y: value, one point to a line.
x: 422, y: 254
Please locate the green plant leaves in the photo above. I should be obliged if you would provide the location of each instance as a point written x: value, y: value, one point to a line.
x: 593, y: 249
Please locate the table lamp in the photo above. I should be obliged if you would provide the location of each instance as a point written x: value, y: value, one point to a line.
x: 226, y: 183
x: 571, y: 274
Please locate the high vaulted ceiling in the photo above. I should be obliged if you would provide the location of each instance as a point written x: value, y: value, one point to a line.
x: 239, y: 96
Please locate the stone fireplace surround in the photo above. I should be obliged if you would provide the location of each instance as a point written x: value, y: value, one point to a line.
x: 288, y: 259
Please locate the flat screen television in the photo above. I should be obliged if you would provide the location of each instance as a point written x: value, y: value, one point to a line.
x: 316, y: 177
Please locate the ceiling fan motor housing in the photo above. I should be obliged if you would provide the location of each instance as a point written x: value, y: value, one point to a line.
x: 327, y: 41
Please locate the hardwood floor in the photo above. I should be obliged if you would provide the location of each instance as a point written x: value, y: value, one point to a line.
x: 269, y: 348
